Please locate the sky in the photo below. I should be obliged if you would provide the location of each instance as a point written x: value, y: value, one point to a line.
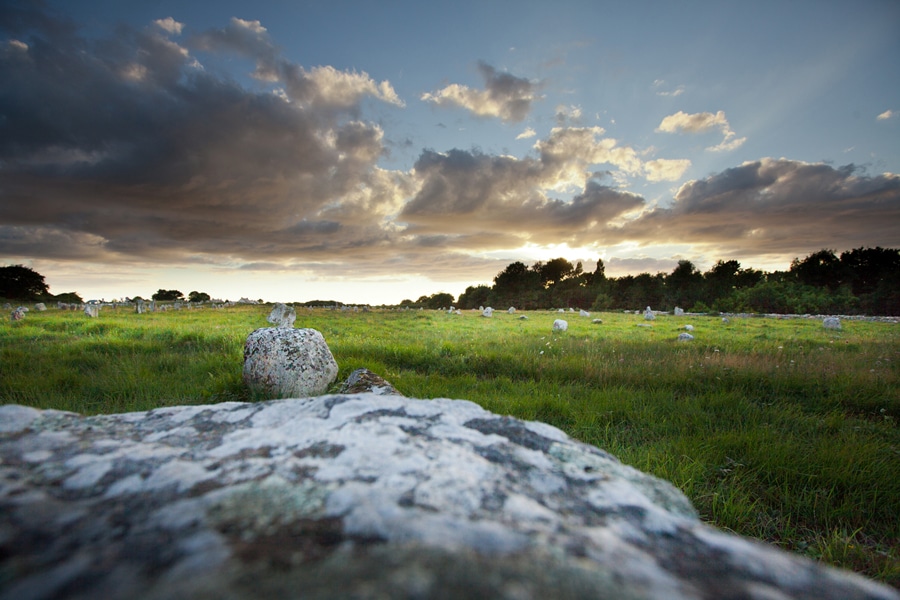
x: 370, y: 152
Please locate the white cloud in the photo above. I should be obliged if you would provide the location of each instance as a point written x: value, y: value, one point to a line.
x: 702, y: 123
x: 663, y: 169
x: 505, y: 96
x: 528, y: 133
x: 170, y: 25
x: 693, y: 123
x: 886, y: 115
x: 659, y: 83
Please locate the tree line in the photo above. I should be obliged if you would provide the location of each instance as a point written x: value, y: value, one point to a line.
x: 859, y: 281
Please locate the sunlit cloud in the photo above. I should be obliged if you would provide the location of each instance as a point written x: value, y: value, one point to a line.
x: 888, y: 114
x: 505, y: 96
x: 528, y: 133
x: 682, y: 122
x: 663, y: 169
x: 170, y: 25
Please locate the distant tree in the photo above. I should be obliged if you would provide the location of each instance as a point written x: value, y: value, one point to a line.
x: 198, y: 297
x: 167, y: 295
x: 684, y: 285
x: 21, y: 283
x: 866, y: 268
x: 436, y: 301
x: 69, y: 297
x: 556, y: 270
x: 474, y: 296
x: 819, y: 269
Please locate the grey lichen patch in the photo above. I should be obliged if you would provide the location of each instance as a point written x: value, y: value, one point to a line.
x: 258, y: 509
x: 513, y: 430
x: 582, y: 463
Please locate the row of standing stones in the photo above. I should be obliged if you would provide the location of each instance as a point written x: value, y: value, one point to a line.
x: 363, y: 493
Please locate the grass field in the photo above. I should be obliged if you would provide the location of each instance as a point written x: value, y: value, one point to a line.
x: 776, y: 429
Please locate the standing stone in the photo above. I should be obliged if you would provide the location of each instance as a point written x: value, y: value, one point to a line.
x: 685, y: 337
x: 488, y: 312
x: 17, y: 315
x: 282, y: 316
x: 40, y: 307
x: 511, y: 310
x: 679, y: 312
x: 560, y: 325
x: 139, y: 308
x: 92, y: 310
x: 688, y: 327
x: 583, y: 313
x: 284, y: 362
x: 648, y: 315
x: 832, y: 323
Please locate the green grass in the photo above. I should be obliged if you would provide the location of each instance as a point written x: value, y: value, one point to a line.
x: 776, y: 429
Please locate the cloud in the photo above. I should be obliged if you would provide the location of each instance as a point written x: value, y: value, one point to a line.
x: 888, y: 114
x: 659, y: 83
x: 663, y: 169
x: 470, y: 193
x: 505, y: 96
x: 181, y: 163
x: 778, y: 206
x: 528, y: 133
x: 169, y: 25
x: 702, y: 123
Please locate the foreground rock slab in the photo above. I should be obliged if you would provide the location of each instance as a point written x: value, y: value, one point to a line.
x: 358, y: 495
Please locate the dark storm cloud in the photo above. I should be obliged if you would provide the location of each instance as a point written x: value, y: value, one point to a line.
x: 128, y: 146
x: 779, y: 206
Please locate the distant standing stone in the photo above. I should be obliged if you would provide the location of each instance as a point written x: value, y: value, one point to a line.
x: 40, y: 307
x: 17, y: 315
x: 560, y: 325
x: 488, y: 312
x: 685, y: 337
x: 832, y: 323
x: 688, y: 327
x: 583, y: 313
x: 288, y: 363
x: 511, y: 310
x: 282, y: 316
x: 92, y: 310
x: 648, y: 315
x: 679, y: 312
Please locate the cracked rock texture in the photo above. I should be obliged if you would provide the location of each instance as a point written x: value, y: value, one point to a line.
x: 358, y: 495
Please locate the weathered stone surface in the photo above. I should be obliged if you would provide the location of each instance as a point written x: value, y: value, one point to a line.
x: 488, y: 312
x: 649, y: 315
x: 364, y: 380
x: 831, y: 323
x: 17, y: 315
x: 40, y: 307
x: 282, y: 315
x: 360, y: 496
x: 511, y: 310
x: 92, y: 310
x: 685, y: 337
x: 285, y: 362
x: 560, y: 325
x: 597, y: 321
x: 584, y: 313
x: 679, y: 312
